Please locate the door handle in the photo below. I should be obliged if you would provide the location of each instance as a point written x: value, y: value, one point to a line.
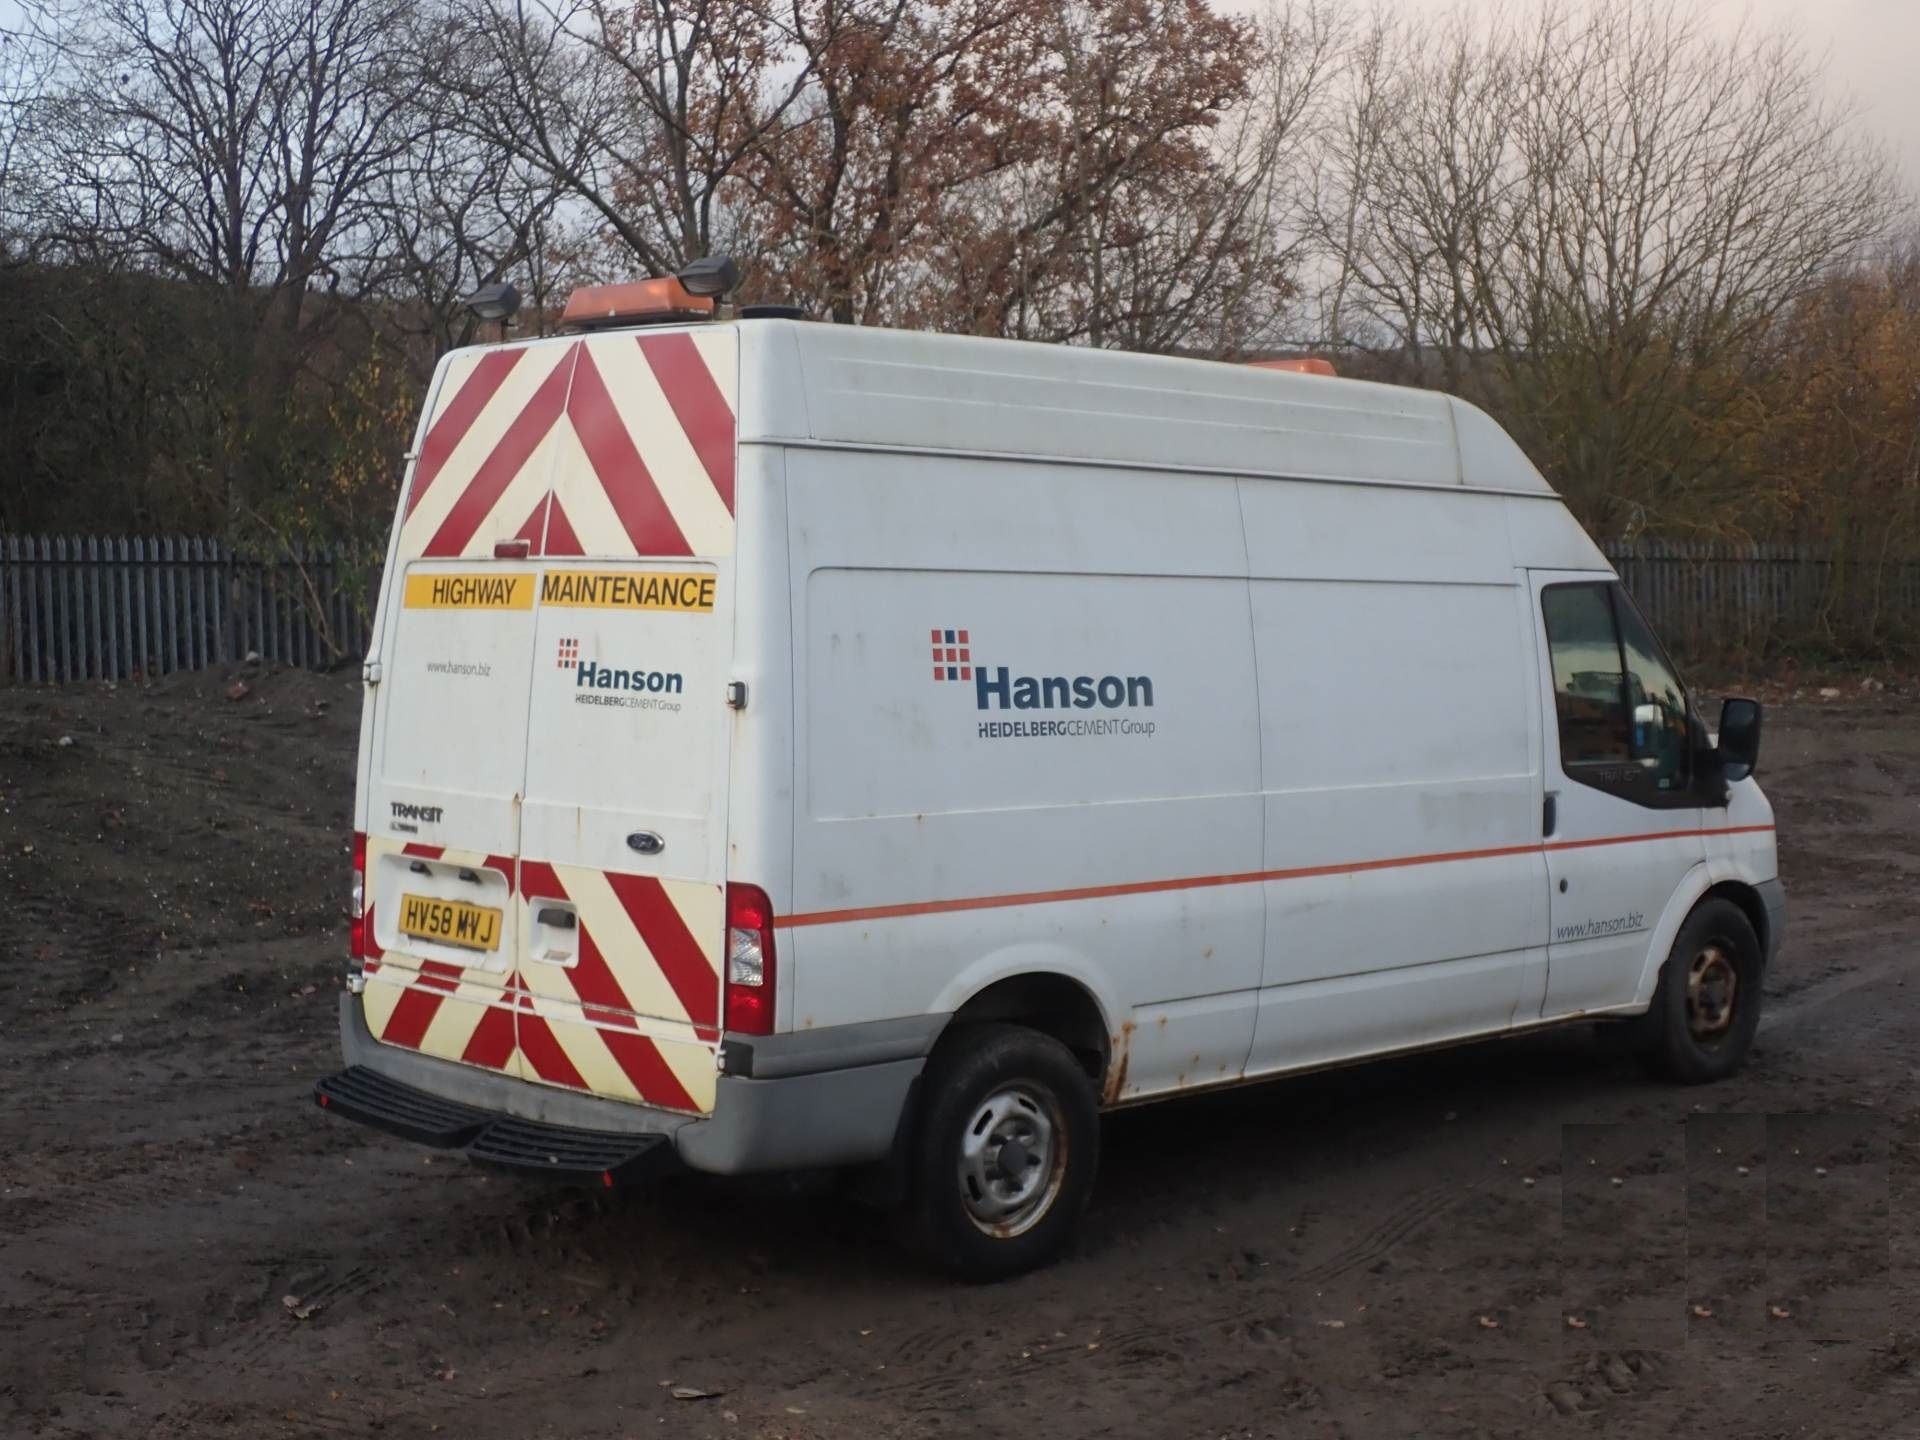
x: 1550, y: 812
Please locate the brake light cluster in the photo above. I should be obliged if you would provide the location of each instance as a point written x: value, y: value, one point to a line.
x: 748, y: 1007
x: 357, y: 903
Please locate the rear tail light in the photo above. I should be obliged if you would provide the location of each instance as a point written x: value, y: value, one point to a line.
x: 357, y: 901
x: 750, y: 961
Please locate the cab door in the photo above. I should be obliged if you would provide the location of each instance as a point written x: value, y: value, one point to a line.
x: 1621, y: 810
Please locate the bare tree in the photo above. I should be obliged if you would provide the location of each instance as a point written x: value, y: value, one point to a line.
x: 1145, y: 220
x: 241, y: 147
x: 643, y: 114
x: 239, y: 142
x: 1413, y: 194
x: 33, y: 51
x: 1103, y: 172
x: 459, y: 212
x: 1592, y: 221
x: 904, y: 106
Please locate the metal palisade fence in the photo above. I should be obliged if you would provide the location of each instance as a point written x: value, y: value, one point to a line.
x: 116, y: 609
x: 1719, y: 600
x: 90, y: 608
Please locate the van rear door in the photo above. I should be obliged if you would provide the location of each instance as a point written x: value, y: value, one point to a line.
x: 551, y: 720
x: 623, y: 833
x: 448, y: 709
x: 623, y: 843
x: 444, y: 810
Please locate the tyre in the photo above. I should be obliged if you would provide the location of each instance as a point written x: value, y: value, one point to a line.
x: 1706, y: 1007
x: 1008, y: 1144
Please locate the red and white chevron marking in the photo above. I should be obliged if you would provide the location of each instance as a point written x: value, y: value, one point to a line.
x: 634, y: 1017
x: 637, y: 1013
x: 612, y: 446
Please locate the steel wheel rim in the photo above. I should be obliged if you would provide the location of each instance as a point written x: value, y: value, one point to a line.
x: 1013, y: 1160
x: 1713, y: 989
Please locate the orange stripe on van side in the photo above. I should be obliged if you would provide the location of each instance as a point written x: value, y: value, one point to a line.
x: 1252, y: 877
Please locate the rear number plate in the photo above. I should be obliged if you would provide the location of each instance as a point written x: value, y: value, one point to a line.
x: 451, y: 922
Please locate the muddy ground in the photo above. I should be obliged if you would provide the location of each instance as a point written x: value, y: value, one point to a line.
x: 1357, y: 1254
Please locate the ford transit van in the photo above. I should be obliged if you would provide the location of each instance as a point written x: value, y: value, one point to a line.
x: 796, y: 745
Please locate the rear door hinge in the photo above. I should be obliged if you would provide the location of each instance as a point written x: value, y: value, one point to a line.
x: 737, y: 694
x: 370, y: 672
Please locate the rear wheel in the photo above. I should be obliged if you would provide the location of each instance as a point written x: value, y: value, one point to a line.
x: 1006, y: 1153
x: 1706, y: 1007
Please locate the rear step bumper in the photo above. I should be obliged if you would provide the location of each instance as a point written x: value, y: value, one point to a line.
x: 560, y: 1152
x: 817, y: 1098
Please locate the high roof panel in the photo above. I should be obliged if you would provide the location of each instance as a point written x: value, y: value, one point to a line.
x: 900, y: 389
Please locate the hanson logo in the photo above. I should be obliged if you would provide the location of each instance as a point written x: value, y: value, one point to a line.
x: 996, y: 687
x: 635, y: 688
x: 591, y: 675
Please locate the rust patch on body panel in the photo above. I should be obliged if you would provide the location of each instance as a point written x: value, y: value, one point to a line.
x: 1117, y: 1065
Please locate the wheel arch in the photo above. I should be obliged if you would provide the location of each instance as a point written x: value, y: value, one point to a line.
x: 1696, y: 889
x: 1049, y: 1001
x: 1747, y: 898
x: 1692, y: 888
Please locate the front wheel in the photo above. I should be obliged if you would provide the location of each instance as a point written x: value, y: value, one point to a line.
x: 1006, y: 1153
x: 1706, y: 1007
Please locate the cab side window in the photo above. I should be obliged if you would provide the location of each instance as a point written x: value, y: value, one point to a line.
x: 1622, y: 713
x: 1662, y: 735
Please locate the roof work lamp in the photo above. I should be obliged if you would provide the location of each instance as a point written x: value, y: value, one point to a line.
x: 495, y: 302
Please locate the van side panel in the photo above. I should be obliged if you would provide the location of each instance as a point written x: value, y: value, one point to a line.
x: 1545, y: 536
x: 1017, y: 682
x: 1402, y: 824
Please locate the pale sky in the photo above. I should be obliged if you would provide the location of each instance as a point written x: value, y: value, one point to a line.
x: 1872, y: 49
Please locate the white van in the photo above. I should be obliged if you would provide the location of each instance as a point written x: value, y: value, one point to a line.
x: 793, y: 745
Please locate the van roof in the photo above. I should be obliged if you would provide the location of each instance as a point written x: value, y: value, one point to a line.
x: 855, y: 387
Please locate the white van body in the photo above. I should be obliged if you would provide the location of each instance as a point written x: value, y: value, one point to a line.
x: 1200, y: 715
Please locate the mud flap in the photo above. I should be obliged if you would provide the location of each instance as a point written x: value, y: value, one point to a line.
x: 887, y: 1183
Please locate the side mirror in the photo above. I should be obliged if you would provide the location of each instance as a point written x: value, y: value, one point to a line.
x: 1739, y: 738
